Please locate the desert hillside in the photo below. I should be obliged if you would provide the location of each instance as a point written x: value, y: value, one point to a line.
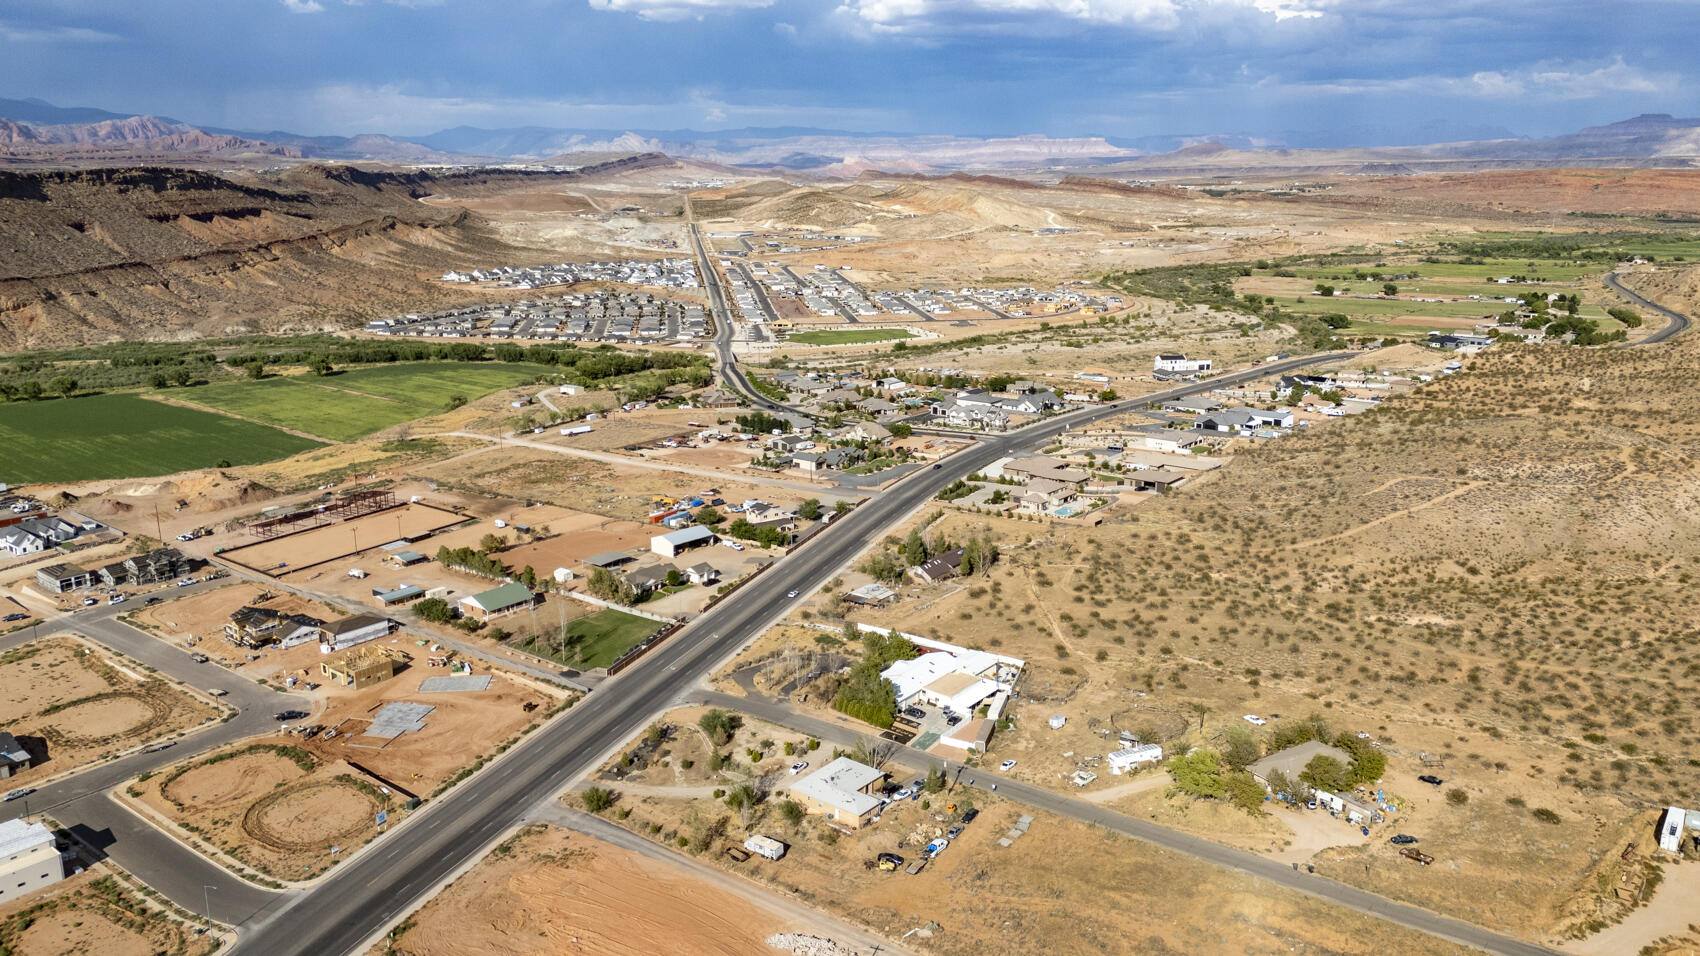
x: 104, y: 254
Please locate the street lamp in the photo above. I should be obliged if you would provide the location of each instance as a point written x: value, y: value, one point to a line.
x: 206, y: 901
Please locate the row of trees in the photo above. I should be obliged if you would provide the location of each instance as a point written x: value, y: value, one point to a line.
x: 864, y: 694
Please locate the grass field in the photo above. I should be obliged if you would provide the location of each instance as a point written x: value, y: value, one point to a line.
x: 848, y: 336
x: 594, y: 641
x: 127, y: 436
x: 354, y: 404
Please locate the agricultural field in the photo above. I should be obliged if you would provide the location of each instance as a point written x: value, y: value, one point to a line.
x: 70, y: 704
x: 353, y: 404
x: 593, y: 641
x: 127, y: 436
x: 95, y: 912
x: 847, y: 336
x: 983, y: 897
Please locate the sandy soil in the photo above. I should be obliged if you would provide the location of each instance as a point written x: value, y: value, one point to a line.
x: 91, y: 913
x: 295, y: 553
x: 548, y: 892
x: 71, y: 703
x: 1669, y: 914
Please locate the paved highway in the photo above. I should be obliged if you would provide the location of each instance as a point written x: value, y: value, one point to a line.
x: 1196, y: 847
x: 370, y: 892
x: 1675, y: 321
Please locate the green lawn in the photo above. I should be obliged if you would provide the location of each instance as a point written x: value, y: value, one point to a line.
x: 600, y: 639
x: 848, y: 336
x: 354, y: 404
x: 127, y: 436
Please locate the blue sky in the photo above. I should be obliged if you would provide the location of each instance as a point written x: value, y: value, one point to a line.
x: 1303, y: 71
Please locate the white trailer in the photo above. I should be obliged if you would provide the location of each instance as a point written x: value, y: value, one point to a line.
x: 764, y: 846
x: 1670, y: 830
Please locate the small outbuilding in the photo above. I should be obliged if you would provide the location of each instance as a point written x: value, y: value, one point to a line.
x: 670, y: 544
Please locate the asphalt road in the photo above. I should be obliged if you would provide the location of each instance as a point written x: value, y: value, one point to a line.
x: 83, y: 802
x: 1196, y: 847
x: 391, y: 878
x: 1674, y: 321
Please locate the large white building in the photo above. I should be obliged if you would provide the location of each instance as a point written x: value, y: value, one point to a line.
x: 1180, y: 364
x: 28, y: 859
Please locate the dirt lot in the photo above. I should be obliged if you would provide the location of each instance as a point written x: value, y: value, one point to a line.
x: 295, y: 553
x: 269, y: 805
x: 93, y: 912
x: 71, y: 703
x: 987, y: 898
x: 546, y: 891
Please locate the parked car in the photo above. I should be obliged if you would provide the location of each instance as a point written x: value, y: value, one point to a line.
x: 735, y: 546
x: 953, y: 832
x: 889, y: 861
x: 115, y: 599
x: 799, y: 767
x: 284, y: 715
x: 1403, y: 839
x: 968, y: 817
x: 1430, y: 779
x: 953, y: 720
x: 217, y: 692
x: 901, y: 795
x: 198, y: 658
x: 914, y: 713
x: 1255, y: 720
x: 1007, y: 766
x: 89, y: 602
x: 23, y: 792
x: 17, y: 616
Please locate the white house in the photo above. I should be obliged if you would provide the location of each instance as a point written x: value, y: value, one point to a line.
x: 29, y: 860
x: 959, y: 680
x: 1180, y: 364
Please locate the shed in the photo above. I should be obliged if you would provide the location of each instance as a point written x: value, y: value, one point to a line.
x: 608, y: 559
x: 670, y: 544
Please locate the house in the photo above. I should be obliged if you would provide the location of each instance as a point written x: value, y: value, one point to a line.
x: 262, y: 626
x: 869, y: 431
x: 1271, y: 418
x: 491, y: 604
x: 354, y: 629
x: 59, y: 578
x: 839, y: 396
x: 1043, y: 466
x: 714, y: 398
x: 918, y: 679
x: 939, y: 568
x: 670, y: 544
x: 18, y: 542
x: 1192, y: 405
x: 29, y: 859
x: 892, y: 385
x: 1291, y: 761
x: 703, y: 573
x: 164, y: 564
x: 1130, y: 758
x: 1034, y: 403
x: 842, y: 791
x: 649, y: 579
x: 14, y: 758
x: 790, y: 444
x: 871, y: 595
x: 958, y: 415
x: 1458, y: 340
x: 1180, y: 364
x: 956, y: 692
x: 363, y: 666
x: 1225, y: 422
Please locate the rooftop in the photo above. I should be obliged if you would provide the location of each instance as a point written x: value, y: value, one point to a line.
x: 1292, y: 760
x: 16, y: 836
x: 839, y: 784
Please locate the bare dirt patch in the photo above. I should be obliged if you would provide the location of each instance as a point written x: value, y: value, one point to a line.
x: 94, y: 913
x: 70, y: 704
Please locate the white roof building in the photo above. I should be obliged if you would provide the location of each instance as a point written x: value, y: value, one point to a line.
x: 838, y: 789
x: 29, y: 860
x: 914, y: 676
x: 1121, y: 761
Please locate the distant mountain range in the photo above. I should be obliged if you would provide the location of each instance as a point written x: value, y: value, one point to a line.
x: 35, y: 130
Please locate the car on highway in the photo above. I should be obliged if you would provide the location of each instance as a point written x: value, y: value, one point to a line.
x: 1430, y: 778
x: 1007, y: 766
x: 21, y: 792
x: 1402, y: 839
x: 152, y: 600
x: 17, y: 616
x: 790, y: 594
x: 217, y: 692
x: 799, y: 767
x: 199, y: 658
x: 1255, y: 720
x: 284, y: 715
x: 937, y: 467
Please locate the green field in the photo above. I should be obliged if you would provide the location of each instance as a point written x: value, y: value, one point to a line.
x: 594, y: 641
x: 354, y: 404
x: 848, y: 336
x: 127, y: 436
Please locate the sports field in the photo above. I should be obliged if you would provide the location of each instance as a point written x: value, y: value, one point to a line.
x: 594, y: 641
x: 353, y: 404
x: 127, y: 436
x: 848, y: 336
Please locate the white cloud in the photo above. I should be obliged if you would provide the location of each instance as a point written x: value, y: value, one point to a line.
x: 303, y: 6
x: 947, y: 16
x: 1541, y: 81
x: 13, y: 33
x: 676, y: 9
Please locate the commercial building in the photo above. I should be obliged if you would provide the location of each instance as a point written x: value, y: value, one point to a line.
x: 350, y: 631
x: 842, y: 791
x: 29, y: 859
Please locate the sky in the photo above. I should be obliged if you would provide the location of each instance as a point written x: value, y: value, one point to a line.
x: 1282, y: 72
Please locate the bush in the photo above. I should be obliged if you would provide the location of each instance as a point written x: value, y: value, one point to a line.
x: 1457, y: 797
x: 1544, y: 815
x: 598, y: 799
x: 720, y: 725
x: 792, y: 811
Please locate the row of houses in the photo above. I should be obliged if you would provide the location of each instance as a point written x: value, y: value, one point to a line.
x: 154, y: 567
x: 34, y: 535
x: 251, y: 626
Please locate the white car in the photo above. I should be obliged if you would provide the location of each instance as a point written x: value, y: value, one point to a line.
x: 1007, y: 766
x: 799, y: 767
x: 900, y: 795
x: 1256, y: 720
x: 735, y: 546
x: 790, y: 594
